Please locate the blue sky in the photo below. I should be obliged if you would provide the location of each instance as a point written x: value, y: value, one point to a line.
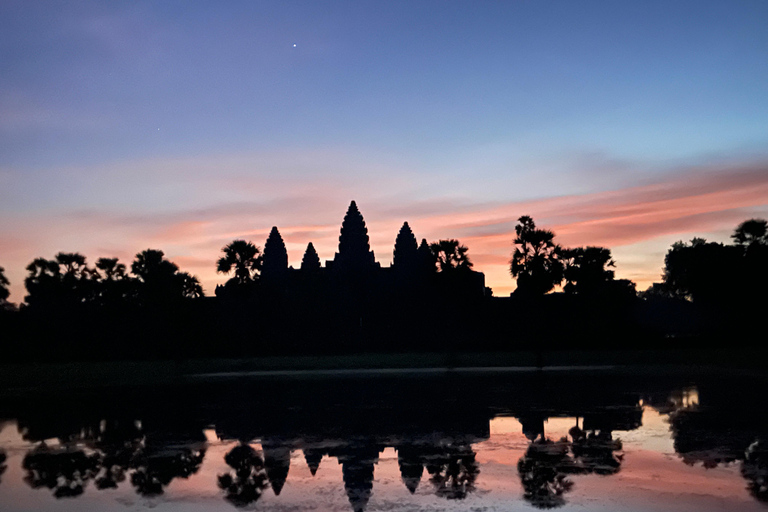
x: 124, y: 121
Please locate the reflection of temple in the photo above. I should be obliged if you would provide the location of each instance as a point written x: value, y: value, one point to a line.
x: 432, y: 423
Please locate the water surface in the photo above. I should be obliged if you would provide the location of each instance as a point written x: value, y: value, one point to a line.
x: 491, y: 441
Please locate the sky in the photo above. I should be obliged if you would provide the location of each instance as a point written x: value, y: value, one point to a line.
x: 183, y: 125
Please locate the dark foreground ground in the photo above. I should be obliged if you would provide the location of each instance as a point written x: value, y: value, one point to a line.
x: 19, y: 378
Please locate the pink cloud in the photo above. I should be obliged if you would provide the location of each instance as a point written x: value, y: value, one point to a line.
x: 643, y: 219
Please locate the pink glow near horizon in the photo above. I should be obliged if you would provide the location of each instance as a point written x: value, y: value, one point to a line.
x: 637, y: 223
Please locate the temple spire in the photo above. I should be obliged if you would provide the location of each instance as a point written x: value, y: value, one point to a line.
x: 405, y: 257
x: 311, y: 261
x: 354, y: 250
x: 275, y: 262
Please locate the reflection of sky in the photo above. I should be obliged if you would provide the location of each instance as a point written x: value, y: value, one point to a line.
x: 183, y: 126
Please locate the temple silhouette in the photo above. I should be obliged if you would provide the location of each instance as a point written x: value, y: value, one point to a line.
x: 354, y: 269
x: 351, y: 303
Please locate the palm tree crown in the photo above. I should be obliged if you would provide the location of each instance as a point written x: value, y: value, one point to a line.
x: 244, y: 257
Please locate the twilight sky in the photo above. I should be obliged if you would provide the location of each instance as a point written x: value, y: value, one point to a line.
x: 183, y: 125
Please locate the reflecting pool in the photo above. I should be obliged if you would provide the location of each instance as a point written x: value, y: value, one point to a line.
x: 600, y: 439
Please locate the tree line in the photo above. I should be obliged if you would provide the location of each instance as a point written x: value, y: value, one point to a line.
x: 429, y: 299
x: 696, y: 271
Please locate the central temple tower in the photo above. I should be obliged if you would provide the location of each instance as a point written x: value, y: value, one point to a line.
x: 355, y: 252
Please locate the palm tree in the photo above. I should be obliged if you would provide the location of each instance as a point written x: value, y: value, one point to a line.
x: 244, y: 257
x: 536, y: 263
x: 450, y: 255
x: 751, y: 232
x: 190, y: 286
x: 111, y: 269
x: 587, y: 269
x: 43, y: 281
x: 151, y: 265
x: 73, y: 264
x: 113, y: 285
x: 160, y: 279
x: 4, y: 284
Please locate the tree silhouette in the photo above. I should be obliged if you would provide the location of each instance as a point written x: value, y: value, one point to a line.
x: 4, y: 284
x: 244, y: 258
x: 450, y: 255
x: 190, y: 286
x: 587, y: 270
x: 311, y: 261
x: 702, y: 271
x: 110, y: 269
x: 161, y: 280
x: 72, y: 264
x: 275, y: 263
x: 751, y: 232
x: 64, y: 280
x: 113, y: 284
x: 536, y: 263
x: 150, y: 265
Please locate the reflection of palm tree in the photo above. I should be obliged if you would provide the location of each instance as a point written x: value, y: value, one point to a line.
x: 64, y: 471
x: 155, y: 471
x: 4, y: 284
x: 454, y: 472
x: 595, y: 451
x: 3, y: 466
x: 161, y: 461
x: 244, y: 258
x: 542, y: 473
x: 755, y: 470
x: 119, y: 443
x: 250, y: 478
x: 709, y: 438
